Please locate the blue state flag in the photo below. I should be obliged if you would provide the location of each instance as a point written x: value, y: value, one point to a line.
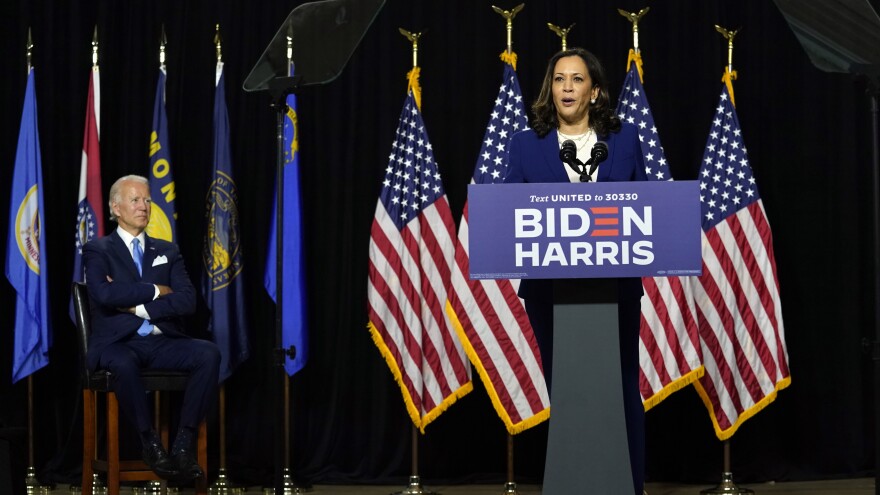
x: 26, y: 247
x: 293, y: 317
x: 222, y: 282
x: 163, y: 218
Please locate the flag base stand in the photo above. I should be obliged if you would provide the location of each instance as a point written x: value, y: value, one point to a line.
x: 288, y: 487
x: 415, y: 488
x: 222, y: 486
x: 727, y: 486
x: 98, y: 486
x: 32, y: 484
x: 154, y: 487
x: 509, y: 489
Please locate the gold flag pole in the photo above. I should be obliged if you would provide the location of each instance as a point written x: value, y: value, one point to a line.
x: 288, y: 485
x: 634, y: 19
x: 415, y: 482
x: 163, y: 41
x: 727, y: 486
x: 218, y: 43
x: 30, y: 48
x: 220, y: 486
x: 413, y: 75
x: 32, y: 485
x: 729, y: 73
x: 562, y: 33
x: 509, y: 57
x: 95, y: 49
x: 635, y: 54
x: 97, y: 485
x: 159, y: 486
x: 508, y: 16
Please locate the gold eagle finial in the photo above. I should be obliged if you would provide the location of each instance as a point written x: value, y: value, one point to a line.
x: 414, y: 39
x: 728, y: 34
x: 509, y: 14
x: 561, y: 32
x: 634, y: 17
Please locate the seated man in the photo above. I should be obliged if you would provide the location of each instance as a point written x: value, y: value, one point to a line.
x: 138, y: 291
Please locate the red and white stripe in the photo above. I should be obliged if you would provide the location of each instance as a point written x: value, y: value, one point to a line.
x: 90, y: 164
x: 740, y: 320
x: 409, y: 272
x: 495, y: 329
x: 669, y: 346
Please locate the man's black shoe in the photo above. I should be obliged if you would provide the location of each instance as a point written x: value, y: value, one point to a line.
x: 184, y: 456
x: 187, y: 466
x: 158, y: 460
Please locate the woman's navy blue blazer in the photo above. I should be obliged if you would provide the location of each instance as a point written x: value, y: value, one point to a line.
x: 536, y: 159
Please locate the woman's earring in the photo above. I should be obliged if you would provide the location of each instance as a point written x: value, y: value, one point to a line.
x: 593, y: 101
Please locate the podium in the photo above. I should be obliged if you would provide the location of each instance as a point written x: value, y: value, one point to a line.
x: 591, y: 244
x: 587, y: 447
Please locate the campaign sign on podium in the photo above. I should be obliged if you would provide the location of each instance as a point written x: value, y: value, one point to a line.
x: 598, y: 233
x: 592, y: 230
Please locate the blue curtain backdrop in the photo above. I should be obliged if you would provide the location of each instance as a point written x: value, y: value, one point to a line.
x: 809, y: 146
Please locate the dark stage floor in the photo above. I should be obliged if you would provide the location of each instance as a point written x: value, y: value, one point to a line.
x: 864, y: 486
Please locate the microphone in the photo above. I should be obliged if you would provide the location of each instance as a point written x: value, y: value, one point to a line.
x: 598, y: 154
x: 568, y: 153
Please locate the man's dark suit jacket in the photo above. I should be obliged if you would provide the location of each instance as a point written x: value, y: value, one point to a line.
x: 535, y: 159
x: 162, y: 264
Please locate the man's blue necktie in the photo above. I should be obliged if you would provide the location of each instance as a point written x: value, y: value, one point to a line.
x: 138, y: 255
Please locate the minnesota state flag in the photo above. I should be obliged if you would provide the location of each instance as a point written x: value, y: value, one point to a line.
x: 26, y: 247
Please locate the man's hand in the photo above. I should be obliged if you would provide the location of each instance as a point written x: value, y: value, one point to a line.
x: 164, y: 290
x: 126, y: 310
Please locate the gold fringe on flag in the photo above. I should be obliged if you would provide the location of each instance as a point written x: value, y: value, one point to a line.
x: 509, y: 58
x: 512, y: 428
x: 728, y: 78
x: 411, y: 409
x: 413, y: 85
x: 636, y: 57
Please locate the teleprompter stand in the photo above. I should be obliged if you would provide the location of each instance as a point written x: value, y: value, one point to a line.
x: 587, y: 449
x: 317, y: 38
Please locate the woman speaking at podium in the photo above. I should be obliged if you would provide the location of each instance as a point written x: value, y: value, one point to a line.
x: 570, y: 116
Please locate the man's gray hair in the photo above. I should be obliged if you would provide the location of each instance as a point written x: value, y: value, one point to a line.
x: 115, y: 194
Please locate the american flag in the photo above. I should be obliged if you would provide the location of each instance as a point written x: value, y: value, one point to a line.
x: 738, y: 304
x: 489, y: 317
x: 669, y: 346
x: 90, y: 210
x: 411, y: 253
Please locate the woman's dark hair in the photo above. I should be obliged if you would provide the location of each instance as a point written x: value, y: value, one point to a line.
x: 602, y: 118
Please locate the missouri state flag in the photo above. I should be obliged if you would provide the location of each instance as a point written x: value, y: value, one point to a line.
x: 90, y: 209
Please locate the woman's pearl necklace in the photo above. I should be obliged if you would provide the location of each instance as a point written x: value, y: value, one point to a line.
x: 580, y: 140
